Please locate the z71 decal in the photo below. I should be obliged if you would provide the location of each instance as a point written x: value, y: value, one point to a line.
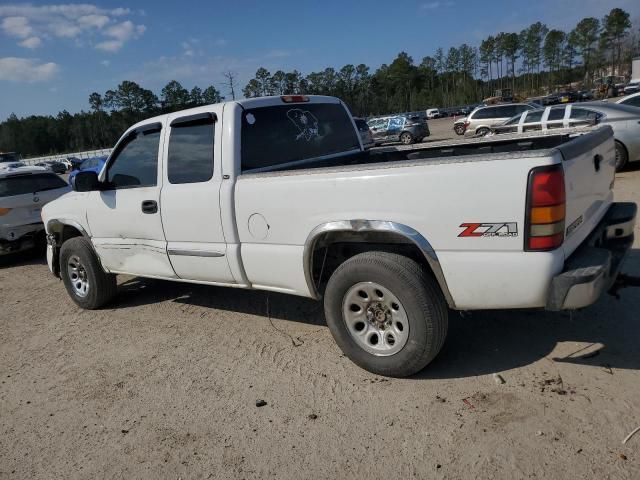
x: 504, y: 229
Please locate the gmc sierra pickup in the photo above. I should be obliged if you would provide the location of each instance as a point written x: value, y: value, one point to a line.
x: 278, y: 194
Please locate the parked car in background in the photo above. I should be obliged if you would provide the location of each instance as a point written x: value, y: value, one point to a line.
x: 23, y: 193
x: 459, y: 126
x: 399, y: 128
x: 55, y: 167
x: 75, y: 162
x: 93, y: 164
x: 624, y: 119
x: 585, y: 95
x: 632, y: 87
x: 365, y: 133
x: 8, y: 165
x: 6, y: 157
x: 433, y: 113
x: 480, y: 121
x: 631, y: 101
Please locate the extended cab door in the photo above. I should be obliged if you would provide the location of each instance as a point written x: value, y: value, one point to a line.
x: 124, y: 216
x: 190, y: 197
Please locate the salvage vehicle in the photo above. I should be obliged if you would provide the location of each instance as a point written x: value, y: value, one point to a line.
x: 480, y: 121
x: 23, y: 193
x: 624, y: 119
x: 398, y: 128
x: 94, y: 163
x: 278, y: 194
x: 365, y: 133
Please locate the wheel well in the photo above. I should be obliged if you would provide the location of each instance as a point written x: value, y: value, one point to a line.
x: 62, y: 233
x: 333, y: 248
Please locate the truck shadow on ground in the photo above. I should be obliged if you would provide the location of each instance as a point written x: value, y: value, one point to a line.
x: 478, y: 343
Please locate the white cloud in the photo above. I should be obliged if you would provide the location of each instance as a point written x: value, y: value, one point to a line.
x: 86, y: 24
x: 436, y: 5
x: 17, y: 27
x: 110, y: 46
x: 220, y: 42
x: 27, y: 70
x: 105, y: 63
x: 31, y: 42
x: 278, y: 54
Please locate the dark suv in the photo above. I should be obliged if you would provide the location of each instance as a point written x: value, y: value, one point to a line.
x: 398, y: 128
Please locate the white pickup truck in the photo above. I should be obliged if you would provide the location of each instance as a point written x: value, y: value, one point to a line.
x: 278, y: 194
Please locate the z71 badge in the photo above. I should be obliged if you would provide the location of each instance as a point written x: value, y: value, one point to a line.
x: 504, y: 229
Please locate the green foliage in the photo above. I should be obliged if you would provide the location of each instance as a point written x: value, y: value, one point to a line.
x: 460, y: 76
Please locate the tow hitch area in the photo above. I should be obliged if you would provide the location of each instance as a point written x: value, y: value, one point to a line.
x: 623, y: 281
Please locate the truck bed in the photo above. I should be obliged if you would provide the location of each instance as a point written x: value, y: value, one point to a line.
x: 532, y: 143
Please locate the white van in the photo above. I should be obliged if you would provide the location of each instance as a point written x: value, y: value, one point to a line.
x: 433, y: 113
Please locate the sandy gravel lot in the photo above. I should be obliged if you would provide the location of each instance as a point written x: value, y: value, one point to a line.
x: 164, y: 384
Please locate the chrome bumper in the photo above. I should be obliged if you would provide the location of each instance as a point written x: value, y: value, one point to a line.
x: 593, y: 267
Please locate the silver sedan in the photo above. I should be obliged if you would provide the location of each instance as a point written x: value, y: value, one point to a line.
x: 625, y: 121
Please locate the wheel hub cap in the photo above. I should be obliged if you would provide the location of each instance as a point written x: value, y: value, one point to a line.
x: 78, y: 276
x: 375, y: 319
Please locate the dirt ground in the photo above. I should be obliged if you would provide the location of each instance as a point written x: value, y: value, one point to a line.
x: 164, y: 384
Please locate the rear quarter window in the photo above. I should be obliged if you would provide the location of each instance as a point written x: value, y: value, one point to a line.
x: 23, y: 184
x: 287, y: 134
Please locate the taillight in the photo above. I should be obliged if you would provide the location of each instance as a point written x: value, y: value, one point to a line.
x: 294, y: 98
x: 467, y: 123
x: 4, y: 211
x: 544, y: 228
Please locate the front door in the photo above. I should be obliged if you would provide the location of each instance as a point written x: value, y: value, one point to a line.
x: 190, y: 198
x: 124, y: 217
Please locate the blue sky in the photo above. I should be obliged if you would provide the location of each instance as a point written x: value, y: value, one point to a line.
x: 53, y: 55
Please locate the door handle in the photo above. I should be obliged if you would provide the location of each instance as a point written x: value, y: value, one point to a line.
x: 149, y: 206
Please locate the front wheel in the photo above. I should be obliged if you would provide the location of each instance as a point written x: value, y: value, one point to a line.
x: 406, y: 138
x: 621, y: 156
x: 86, y: 282
x: 482, y: 132
x: 385, y: 313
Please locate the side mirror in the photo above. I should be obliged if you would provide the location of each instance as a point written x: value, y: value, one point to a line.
x: 85, y: 182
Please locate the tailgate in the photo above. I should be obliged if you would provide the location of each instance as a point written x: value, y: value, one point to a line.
x: 589, y: 170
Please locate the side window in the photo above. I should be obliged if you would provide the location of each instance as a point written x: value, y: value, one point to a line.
x: 136, y: 160
x: 532, y: 121
x: 556, y: 114
x: 483, y: 113
x: 633, y: 101
x: 533, y: 116
x: 504, y: 112
x: 582, y: 116
x: 190, y: 158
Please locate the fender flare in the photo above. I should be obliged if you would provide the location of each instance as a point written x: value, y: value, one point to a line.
x: 57, y: 224
x: 385, y: 226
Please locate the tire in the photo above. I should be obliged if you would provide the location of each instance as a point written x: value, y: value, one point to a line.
x: 481, y: 132
x: 406, y: 138
x: 622, y: 157
x: 86, y: 282
x: 417, y: 304
x: 459, y: 129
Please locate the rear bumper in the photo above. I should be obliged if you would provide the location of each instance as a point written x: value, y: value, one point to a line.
x: 594, y: 266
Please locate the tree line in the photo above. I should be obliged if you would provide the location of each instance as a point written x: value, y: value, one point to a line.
x: 531, y: 62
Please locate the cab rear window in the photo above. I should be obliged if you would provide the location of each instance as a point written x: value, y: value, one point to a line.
x: 286, y: 135
x: 20, y: 185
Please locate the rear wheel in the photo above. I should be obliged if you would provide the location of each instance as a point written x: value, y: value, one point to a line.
x: 406, y: 138
x: 86, y: 282
x: 621, y: 156
x: 459, y: 129
x: 385, y: 313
